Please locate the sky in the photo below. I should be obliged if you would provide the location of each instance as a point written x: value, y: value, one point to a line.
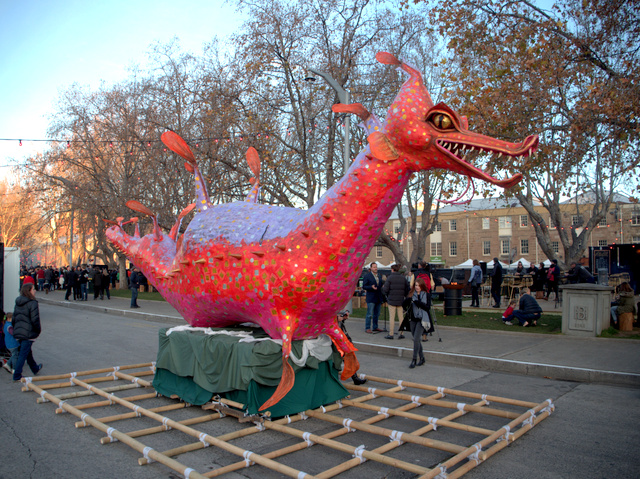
x: 48, y: 45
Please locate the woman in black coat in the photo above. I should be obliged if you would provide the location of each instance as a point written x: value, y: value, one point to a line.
x: 26, y: 328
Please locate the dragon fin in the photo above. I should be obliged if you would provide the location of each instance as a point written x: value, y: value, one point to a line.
x: 253, y: 159
x: 174, y: 231
x: 355, y: 108
x: 139, y: 207
x: 381, y: 147
x: 178, y: 145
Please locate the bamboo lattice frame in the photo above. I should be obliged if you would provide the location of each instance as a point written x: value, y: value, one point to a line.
x: 488, y: 430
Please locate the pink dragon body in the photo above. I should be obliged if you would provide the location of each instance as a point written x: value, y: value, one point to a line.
x: 291, y: 270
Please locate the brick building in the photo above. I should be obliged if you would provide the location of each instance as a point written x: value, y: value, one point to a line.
x: 488, y: 228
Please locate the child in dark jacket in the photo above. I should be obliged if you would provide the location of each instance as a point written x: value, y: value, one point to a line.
x: 11, y: 344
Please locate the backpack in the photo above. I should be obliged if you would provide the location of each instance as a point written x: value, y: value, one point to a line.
x: 427, y: 280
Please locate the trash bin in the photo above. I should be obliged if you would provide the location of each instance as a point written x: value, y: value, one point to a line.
x: 453, y: 299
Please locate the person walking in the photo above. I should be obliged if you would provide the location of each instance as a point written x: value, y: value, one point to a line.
x: 395, y: 289
x: 134, y: 286
x: 420, y: 306
x: 26, y: 329
x: 475, y: 280
x: 496, y: 282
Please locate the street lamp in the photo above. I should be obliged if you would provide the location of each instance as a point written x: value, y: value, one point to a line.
x: 345, y: 98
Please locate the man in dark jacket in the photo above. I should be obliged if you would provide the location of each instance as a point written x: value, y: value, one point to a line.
x: 496, y: 282
x: 528, y: 311
x: 579, y: 274
x: 71, y: 281
x: 395, y: 289
x: 134, y: 286
x: 26, y: 328
x: 372, y: 284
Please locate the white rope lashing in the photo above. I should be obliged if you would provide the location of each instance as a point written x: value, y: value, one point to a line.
x: 306, y: 437
x: 110, y: 434
x: 396, y: 436
x: 358, y: 452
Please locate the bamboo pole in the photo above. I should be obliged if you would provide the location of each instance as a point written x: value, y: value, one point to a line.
x: 91, y: 372
x: 135, y: 379
x: 497, y: 447
x: 185, y: 471
x: 437, y: 402
x: 102, y: 379
x: 356, y: 451
x: 503, y: 431
x: 382, y: 431
x: 155, y: 429
x: 454, y: 392
x: 79, y: 394
x: 248, y: 431
x: 419, y: 417
x: 340, y: 468
x: 301, y: 445
x: 90, y: 405
x: 249, y: 456
x: 131, y: 415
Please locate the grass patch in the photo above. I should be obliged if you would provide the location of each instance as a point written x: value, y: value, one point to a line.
x: 126, y: 293
x: 547, y: 324
x: 612, y: 332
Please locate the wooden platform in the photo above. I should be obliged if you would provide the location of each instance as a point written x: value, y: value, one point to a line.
x: 454, y: 431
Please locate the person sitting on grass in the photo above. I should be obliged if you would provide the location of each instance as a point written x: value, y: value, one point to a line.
x: 528, y: 312
x: 509, y: 310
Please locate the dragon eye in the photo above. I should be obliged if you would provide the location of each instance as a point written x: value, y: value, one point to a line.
x: 442, y: 121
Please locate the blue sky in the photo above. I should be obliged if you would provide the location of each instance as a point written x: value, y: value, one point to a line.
x: 47, y: 45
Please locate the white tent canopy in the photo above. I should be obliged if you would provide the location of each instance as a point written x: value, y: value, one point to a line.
x: 524, y: 262
x: 466, y: 265
x: 504, y: 265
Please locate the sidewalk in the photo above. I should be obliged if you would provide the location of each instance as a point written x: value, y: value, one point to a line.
x: 612, y: 361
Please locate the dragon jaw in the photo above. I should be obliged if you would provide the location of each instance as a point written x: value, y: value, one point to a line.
x: 432, y: 137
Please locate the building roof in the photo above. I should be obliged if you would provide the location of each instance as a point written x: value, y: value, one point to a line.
x: 477, y: 204
x: 589, y: 198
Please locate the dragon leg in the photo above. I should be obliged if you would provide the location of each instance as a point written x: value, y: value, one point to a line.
x: 347, y: 350
x: 288, y: 376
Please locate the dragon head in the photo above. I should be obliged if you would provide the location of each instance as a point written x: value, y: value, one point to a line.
x: 432, y: 136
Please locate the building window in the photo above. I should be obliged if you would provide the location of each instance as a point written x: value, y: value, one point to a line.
x: 505, y: 244
x: 439, y: 226
x: 524, y: 221
x: 436, y: 249
x: 486, y: 248
x: 602, y: 243
x: 635, y: 239
x: 396, y: 227
x: 635, y: 217
x: 378, y: 251
x: 603, y: 222
x: 418, y: 225
x: 453, y: 248
x: 453, y: 225
x: 576, y: 220
x: 524, y: 246
x: 555, y: 246
x: 504, y: 222
x: 486, y: 223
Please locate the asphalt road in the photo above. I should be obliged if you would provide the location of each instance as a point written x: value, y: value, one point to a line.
x: 592, y: 434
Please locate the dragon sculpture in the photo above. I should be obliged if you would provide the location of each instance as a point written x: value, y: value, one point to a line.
x: 291, y: 270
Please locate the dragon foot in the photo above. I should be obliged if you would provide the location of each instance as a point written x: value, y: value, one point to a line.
x: 351, y: 366
x: 286, y: 383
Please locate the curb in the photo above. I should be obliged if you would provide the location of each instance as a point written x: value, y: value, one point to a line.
x: 484, y: 363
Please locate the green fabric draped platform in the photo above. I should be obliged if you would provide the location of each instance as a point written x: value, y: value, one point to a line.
x: 194, y: 366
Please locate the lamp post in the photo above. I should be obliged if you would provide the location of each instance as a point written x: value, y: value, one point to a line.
x: 345, y: 98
